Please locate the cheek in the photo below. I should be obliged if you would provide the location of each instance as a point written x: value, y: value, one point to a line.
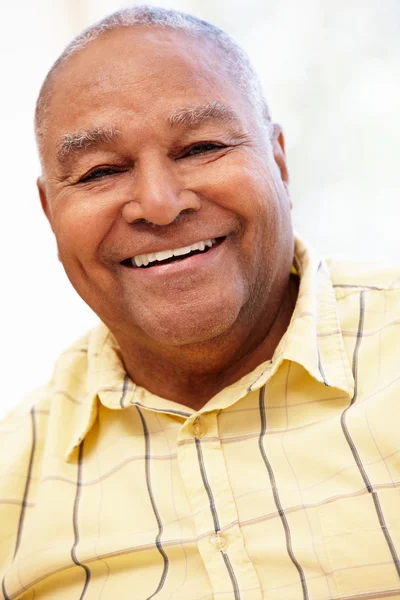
x: 79, y: 230
x: 265, y: 209
x: 245, y: 185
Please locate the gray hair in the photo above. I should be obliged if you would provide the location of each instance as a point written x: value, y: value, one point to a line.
x: 237, y: 61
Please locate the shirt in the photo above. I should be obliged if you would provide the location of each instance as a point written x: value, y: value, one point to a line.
x: 284, y: 486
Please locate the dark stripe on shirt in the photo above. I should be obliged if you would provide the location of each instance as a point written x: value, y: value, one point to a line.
x: 25, y: 497
x: 75, y: 522
x: 3, y: 589
x: 162, y: 410
x: 320, y: 367
x: 355, y: 285
x: 154, y: 506
x: 352, y: 446
x: 231, y: 575
x: 207, y: 486
x: 276, y: 495
x: 28, y: 481
x: 214, y: 515
x: 124, y: 390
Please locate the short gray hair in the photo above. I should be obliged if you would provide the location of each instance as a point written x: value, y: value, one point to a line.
x: 237, y: 61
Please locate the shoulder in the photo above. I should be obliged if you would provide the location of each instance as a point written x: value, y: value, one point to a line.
x: 368, y: 295
x: 72, y: 362
x: 69, y: 377
x: 354, y: 275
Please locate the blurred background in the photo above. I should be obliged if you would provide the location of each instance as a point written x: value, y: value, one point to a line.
x: 331, y: 72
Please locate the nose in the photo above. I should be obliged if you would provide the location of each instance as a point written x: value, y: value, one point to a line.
x: 158, y: 196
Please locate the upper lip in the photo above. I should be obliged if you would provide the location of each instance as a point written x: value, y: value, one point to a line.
x: 171, y: 245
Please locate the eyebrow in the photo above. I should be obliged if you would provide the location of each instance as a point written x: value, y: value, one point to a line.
x: 194, y: 116
x: 189, y: 117
x: 71, y: 143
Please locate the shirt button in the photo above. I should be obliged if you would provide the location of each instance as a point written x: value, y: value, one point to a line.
x: 198, y: 428
x: 219, y: 541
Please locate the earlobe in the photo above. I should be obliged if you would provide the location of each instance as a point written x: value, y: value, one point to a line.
x: 41, y: 185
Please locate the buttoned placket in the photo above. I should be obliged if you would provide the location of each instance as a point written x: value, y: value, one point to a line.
x: 220, y: 541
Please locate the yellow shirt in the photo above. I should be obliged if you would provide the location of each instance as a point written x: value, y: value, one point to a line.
x: 284, y: 486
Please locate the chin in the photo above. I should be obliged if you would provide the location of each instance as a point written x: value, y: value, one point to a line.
x: 189, y: 327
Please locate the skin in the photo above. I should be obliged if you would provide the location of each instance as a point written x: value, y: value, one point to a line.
x: 185, y: 332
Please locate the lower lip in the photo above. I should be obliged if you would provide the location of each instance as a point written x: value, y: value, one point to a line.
x: 186, y: 266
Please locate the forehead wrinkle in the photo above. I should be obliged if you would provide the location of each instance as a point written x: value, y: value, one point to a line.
x: 71, y: 143
x: 193, y: 116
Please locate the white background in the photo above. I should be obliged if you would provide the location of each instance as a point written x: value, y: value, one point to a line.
x: 331, y: 72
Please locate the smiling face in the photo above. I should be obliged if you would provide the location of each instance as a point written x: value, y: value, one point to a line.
x: 165, y: 193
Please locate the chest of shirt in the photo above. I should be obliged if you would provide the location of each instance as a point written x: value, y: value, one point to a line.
x: 300, y: 486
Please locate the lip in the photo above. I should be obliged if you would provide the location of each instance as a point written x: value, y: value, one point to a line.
x: 185, y: 266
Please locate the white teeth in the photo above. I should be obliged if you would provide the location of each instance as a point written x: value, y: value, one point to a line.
x: 164, y: 254
x: 181, y: 251
x: 145, y: 259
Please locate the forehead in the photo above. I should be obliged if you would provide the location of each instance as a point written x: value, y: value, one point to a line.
x: 141, y: 72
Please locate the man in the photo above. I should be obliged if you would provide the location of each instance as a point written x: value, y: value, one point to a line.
x: 230, y: 428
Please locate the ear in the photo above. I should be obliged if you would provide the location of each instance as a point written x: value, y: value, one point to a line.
x: 44, y: 201
x: 41, y: 185
x: 278, y: 147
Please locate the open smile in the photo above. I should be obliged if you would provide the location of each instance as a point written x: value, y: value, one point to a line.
x: 164, y: 257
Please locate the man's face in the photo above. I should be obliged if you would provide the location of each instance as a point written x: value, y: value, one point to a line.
x: 150, y: 148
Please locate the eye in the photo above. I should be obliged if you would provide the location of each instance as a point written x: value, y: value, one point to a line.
x: 100, y: 173
x: 202, y: 148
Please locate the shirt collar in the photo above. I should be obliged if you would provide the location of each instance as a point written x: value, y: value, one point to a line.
x: 313, y: 339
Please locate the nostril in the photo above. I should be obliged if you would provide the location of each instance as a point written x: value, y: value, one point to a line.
x: 178, y: 219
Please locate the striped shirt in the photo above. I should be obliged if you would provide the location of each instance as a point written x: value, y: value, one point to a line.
x: 284, y: 486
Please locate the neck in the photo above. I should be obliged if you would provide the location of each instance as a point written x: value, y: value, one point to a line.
x: 193, y: 374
